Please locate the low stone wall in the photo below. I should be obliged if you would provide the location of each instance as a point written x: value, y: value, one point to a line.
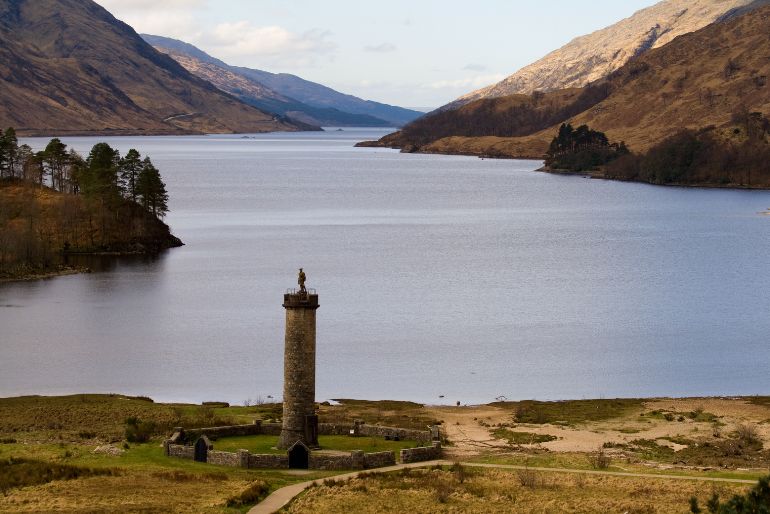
x: 379, y: 459
x: 259, y: 428
x: 268, y: 461
x: 223, y: 458
x: 421, y: 436
x: 245, y: 459
x: 330, y: 462
x: 227, y: 431
x: 179, y: 451
x: 354, y: 460
x: 334, y: 429
x: 421, y: 454
x: 271, y: 428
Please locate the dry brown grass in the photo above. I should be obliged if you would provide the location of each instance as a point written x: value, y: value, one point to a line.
x: 132, y: 492
x: 425, y: 491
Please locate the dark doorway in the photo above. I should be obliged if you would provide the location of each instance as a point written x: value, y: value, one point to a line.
x: 201, y: 449
x: 311, y: 431
x: 298, y: 456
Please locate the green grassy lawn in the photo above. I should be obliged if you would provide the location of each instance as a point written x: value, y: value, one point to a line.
x: 266, y: 444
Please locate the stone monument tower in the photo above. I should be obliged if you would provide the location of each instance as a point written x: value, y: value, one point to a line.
x: 300, y: 422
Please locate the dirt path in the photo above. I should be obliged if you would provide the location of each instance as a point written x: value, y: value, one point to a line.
x: 468, y: 436
x: 281, y: 497
x: 170, y: 118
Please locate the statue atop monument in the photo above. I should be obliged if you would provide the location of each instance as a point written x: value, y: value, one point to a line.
x: 301, y: 281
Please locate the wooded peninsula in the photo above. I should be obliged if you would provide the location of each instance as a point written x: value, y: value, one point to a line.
x: 54, y: 203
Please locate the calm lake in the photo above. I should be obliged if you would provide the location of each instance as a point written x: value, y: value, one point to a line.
x: 437, y: 276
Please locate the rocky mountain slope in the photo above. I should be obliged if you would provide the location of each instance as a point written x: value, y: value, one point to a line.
x: 594, y: 56
x: 293, y: 96
x: 70, y: 67
x: 254, y: 93
x: 699, y: 79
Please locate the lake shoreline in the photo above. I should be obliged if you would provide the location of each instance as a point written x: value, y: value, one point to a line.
x: 45, y: 274
x: 522, y: 157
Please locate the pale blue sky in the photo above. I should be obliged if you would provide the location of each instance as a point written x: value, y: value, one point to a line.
x: 418, y: 53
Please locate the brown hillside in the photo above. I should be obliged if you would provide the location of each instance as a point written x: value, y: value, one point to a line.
x: 510, y: 116
x: 697, y: 80
x: 68, y: 66
x: 594, y: 56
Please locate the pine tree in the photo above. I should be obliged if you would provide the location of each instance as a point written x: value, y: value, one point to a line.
x: 10, y: 150
x: 100, y: 178
x: 54, y: 159
x: 130, y: 167
x: 151, y: 190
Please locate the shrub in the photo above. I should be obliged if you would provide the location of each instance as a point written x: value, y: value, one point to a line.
x: 756, y: 501
x: 255, y: 493
x: 139, y: 431
x: 600, y: 459
x: 747, y: 433
x: 459, y: 472
x: 443, y: 491
x: 527, y: 478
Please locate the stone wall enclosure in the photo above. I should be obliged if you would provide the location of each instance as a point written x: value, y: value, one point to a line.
x: 179, y: 445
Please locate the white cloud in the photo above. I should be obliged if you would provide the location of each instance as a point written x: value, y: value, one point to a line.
x: 241, y: 42
x: 381, y: 48
x: 467, y: 83
x: 475, y: 67
x: 171, y: 18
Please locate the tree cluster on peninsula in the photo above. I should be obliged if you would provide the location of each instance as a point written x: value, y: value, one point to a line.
x: 581, y: 149
x: 55, y: 202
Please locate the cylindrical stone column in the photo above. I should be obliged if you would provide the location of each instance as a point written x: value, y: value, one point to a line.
x: 299, y: 371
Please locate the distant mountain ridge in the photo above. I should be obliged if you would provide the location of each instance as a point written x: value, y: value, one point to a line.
x: 594, y: 56
x: 284, y: 93
x: 70, y: 67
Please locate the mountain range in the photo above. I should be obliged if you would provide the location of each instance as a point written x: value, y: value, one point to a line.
x: 594, y: 56
x: 283, y: 93
x: 70, y: 67
x: 704, y: 78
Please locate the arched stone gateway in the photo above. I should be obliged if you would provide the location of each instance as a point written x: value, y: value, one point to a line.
x: 299, y: 456
x: 202, y: 447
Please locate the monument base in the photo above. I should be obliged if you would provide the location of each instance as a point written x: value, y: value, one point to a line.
x: 308, y: 434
